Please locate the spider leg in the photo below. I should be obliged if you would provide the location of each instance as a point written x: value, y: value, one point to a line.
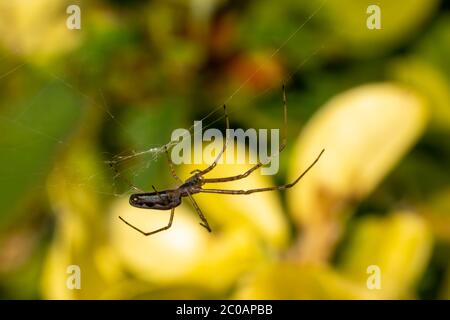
x: 212, y: 166
x: 285, y: 186
x: 259, y: 164
x: 159, y: 195
x: 204, y: 222
x: 155, y: 231
x: 171, y: 166
x: 232, y: 178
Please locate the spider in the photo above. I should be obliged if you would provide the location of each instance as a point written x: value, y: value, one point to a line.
x: 170, y: 199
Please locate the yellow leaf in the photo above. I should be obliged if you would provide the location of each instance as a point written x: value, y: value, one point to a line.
x: 287, y: 280
x: 399, y: 245
x: 365, y: 132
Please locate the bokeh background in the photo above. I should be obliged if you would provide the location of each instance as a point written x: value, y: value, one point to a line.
x: 376, y: 100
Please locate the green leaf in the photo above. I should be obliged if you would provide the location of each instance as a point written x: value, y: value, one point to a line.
x: 34, y: 130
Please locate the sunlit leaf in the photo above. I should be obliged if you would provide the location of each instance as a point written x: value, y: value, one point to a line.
x: 75, y: 188
x: 399, y: 245
x: 347, y: 22
x: 365, y: 132
x: 300, y: 281
x: 186, y: 254
x: 431, y: 82
x: 36, y: 29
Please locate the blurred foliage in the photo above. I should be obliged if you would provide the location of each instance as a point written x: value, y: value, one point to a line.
x: 376, y: 100
x: 355, y: 138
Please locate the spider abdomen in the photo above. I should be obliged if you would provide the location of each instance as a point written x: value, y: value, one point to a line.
x: 164, y: 200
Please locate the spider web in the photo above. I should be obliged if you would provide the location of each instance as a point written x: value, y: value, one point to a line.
x: 215, y: 116
x: 128, y: 164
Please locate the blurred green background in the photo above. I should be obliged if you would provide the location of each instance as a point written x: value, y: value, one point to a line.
x: 376, y: 100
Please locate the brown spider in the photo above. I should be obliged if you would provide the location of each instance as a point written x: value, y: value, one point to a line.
x: 170, y: 199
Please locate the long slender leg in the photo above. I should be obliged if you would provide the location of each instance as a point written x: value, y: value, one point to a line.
x: 232, y: 178
x: 159, y: 195
x: 213, y: 165
x: 259, y: 164
x: 155, y: 231
x: 204, y: 222
x: 285, y: 186
x: 172, y: 168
